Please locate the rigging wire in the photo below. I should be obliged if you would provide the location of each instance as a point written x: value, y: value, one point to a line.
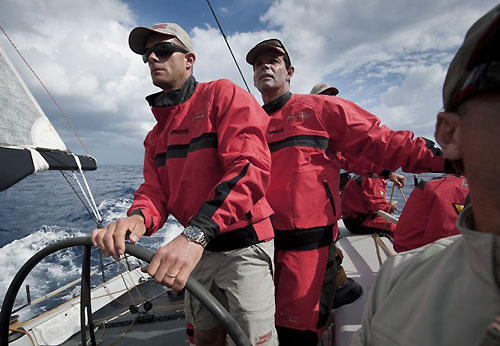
x: 89, y: 211
x: 96, y: 217
x: 47, y: 90
x: 227, y: 43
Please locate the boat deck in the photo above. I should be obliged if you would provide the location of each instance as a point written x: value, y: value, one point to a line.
x: 361, y: 262
x: 163, y: 322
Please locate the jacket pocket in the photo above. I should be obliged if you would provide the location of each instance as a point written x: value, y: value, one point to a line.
x: 330, y: 197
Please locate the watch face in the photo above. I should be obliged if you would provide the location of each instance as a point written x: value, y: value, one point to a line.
x: 195, y: 235
x: 192, y: 233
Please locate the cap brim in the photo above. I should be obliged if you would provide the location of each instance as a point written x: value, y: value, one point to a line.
x: 138, y: 37
x: 329, y: 91
x: 260, y: 49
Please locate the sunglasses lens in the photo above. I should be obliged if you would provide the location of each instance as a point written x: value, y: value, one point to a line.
x: 146, y: 55
x: 162, y: 50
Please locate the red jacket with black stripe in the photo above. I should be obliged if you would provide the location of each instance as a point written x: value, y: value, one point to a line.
x: 362, y: 197
x: 304, y: 190
x: 207, y: 162
x: 430, y: 212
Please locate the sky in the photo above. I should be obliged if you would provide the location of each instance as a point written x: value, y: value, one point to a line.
x: 388, y: 56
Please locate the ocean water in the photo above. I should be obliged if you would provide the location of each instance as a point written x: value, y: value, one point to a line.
x: 43, y: 209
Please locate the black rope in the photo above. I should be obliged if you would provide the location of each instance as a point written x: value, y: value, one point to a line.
x: 227, y: 43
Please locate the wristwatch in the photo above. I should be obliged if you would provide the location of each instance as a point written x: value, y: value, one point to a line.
x: 196, y: 235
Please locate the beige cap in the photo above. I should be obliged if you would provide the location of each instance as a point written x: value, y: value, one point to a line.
x: 138, y: 36
x: 271, y: 45
x: 481, y: 45
x: 325, y: 89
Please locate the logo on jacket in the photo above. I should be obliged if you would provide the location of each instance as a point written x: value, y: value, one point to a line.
x: 199, y: 116
x: 458, y: 207
x: 202, y: 114
x: 179, y: 131
x: 298, y: 116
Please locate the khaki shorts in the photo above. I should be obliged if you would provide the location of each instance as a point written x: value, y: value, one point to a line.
x: 242, y: 281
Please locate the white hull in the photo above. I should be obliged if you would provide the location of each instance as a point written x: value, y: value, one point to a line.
x: 60, y: 323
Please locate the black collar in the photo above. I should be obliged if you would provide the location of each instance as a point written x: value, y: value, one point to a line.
x: 277, y: 103
x: 174, y: 97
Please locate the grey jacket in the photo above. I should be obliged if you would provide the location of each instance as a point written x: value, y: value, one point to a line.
x: 445, y: 293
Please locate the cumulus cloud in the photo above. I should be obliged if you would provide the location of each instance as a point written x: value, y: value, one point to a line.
x: 389, y: 56
x: 79, y: 50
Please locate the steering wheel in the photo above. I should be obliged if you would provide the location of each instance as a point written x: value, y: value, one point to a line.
x: 193, y: 286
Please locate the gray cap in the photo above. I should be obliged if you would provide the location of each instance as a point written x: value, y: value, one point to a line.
x: 481, y: 45
x: 138, y: 36
x: 325, y: 89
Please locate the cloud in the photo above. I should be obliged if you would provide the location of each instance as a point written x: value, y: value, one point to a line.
x: 409, y: 105
x: 389, y: 56
x: 80, y: 52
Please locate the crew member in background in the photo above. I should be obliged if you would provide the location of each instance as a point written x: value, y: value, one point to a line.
x: 324, y: 89
x: 304, y: 190
x: 208, y: 164
x: 431, y: 212
x: 361, y: 199
x: 448, y: 292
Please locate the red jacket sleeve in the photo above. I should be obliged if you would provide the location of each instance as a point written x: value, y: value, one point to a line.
x: 358, y: 165
x: 241, y: 125
x: 357, y: 132
x: 150, y: 199
x: 374, y: 192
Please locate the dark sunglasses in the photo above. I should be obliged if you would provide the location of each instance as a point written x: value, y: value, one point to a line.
x: 162, y: 49
x: 483, y: 78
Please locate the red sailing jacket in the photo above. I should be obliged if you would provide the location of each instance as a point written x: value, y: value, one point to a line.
x: 207, y: 163
x: 431, y: 212
x: 365, y: 196
x: 304, y: 192
x: 358, y: 165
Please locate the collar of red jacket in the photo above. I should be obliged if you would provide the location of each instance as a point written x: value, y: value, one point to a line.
x: 174, y: 97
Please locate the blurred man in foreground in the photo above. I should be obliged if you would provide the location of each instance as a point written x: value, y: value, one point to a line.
x: 448, y: 292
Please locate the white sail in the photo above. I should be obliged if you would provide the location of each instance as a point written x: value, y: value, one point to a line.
x: 22, y: 121
x: 28, y: 141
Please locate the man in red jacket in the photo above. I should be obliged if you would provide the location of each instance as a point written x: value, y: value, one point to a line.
x: 361, y: 199
x: 431, y: 212
x: 208, y: 164
x: 304, y: 194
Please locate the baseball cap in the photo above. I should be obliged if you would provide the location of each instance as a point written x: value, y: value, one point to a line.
x: 476, y: 65
x: 270, y: 45
x: 138, y: 36
x: 323, y: 88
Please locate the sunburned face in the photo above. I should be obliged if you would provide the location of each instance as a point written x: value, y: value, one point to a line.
x: 169, y: 72
x: 270, y: 74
